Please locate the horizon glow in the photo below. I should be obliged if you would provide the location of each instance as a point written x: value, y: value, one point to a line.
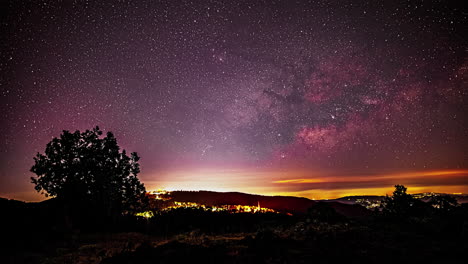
x: 318, y: 99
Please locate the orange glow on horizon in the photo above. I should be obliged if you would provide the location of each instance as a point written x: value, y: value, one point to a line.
x: 322, y: 185
x: 314, y: 184
x: 351, y: 178
x: 334, y: 194
x: 300, y: 181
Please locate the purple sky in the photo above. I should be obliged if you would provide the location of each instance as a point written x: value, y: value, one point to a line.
x: 225, y: 95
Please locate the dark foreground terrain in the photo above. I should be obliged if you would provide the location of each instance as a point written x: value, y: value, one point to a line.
x: 42, y: 233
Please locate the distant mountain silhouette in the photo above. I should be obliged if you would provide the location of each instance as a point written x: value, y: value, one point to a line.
x: 461, y: 198
x: 347, y: 206
x: 287, y: 204
x: 278, y: 203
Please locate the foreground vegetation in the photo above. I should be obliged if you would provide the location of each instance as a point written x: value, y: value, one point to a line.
x: 101, y: 214
x: 404, y: 229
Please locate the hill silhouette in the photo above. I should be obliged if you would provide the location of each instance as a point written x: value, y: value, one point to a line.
x: 317, y: 231
x: 285, y: 204
x: 278, y: 203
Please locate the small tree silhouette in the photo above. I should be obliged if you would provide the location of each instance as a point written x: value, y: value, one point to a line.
x: 399, y: 204
x: 88, y: 172
x: 402, y: 204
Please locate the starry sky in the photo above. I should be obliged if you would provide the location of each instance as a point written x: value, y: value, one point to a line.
x: 311, y: 98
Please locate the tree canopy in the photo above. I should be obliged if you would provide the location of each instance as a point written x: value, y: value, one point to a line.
x: 85, y: 168
x: 401, y: 204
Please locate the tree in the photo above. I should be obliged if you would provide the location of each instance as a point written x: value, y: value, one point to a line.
x: 402, y: 204
x: 83, y: 170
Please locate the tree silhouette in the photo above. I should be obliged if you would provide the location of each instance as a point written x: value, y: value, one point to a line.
x: 402, y: 204
x: 399, y: 203
x: 83, y: 170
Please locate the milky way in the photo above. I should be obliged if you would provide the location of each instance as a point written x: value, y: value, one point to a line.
x: 241, y: 88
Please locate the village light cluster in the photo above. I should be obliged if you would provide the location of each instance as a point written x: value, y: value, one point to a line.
x: 221, y: 208
x: 165, y: 196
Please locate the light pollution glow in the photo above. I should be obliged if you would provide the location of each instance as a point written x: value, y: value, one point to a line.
x: 320, y: 186
x: 313, y: 185
x: 231, y: 96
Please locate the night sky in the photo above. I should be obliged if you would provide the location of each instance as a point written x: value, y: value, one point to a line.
x: 311, y: 98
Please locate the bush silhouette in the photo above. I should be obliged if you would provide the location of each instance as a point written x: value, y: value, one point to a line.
x: 402, y: 204
x: 443, y: 203
x: 89, y: 174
